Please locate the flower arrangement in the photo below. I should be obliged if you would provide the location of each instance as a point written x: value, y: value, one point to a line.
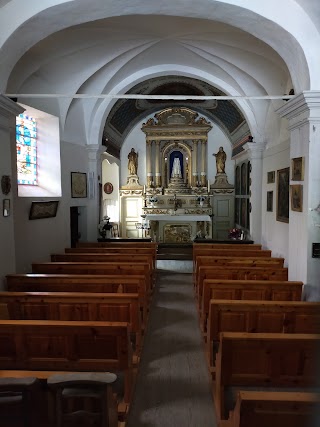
x: 153, y: 199
x: 236, y: 234
x: 201, y: 198
x: 104, y: 226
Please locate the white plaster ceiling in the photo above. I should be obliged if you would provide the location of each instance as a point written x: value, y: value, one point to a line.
x: 242, y: 47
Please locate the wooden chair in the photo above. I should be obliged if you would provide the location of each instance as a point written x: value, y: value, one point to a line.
x: 82, y: 399
x: 16, y: 396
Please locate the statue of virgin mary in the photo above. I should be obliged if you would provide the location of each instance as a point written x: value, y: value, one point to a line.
x: 176, y: 168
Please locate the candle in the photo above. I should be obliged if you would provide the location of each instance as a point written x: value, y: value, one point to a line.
x: 208, y: 186
x: 144, y: 189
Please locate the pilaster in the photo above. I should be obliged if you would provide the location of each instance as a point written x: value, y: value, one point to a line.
x: 8, y: 166
x: 303, y: 115
x: 254, y: 151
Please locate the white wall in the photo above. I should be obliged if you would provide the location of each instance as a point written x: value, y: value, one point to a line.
x: 275, y: 234
x: 37, y: 239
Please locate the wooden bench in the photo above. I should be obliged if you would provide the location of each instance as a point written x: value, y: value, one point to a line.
x: 109, y: 268
x: 99, y: 257
x: 116, y: 250
x: 117, y: 244
x: 77, y: 306
x: 239, y: 246
x: 230, y: 253
x: 263, y: 290
x: 264, y: 360
x: 239, y: 273
x: 236, y: 262
x: 81, y: 283
x: 292, y: 317
x: 273, y: 409
x: 40, y: 348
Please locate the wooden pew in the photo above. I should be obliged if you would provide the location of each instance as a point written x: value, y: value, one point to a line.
x: 81, y: 283
x: 230, y: 253
x: 292, y: 317
x: 40, y: 348
x: 263, y: 290
x: 236, y: 262
x: 77, y: 306
x: 117, y: 244
x: 116, y: 250
x: 109, y: 268
x: 273, y: 409
x: 239, y: 273
x: 264, y: 360
x: 100, y: 257
x: 240, y: 246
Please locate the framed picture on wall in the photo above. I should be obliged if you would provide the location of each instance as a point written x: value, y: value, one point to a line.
x: 296, y: 198
x: 41, y: 209
x: 283, y: 195
x: 271, y: 177
x: 297, y: 169
x: 78, y: 185
x: 269, y: 201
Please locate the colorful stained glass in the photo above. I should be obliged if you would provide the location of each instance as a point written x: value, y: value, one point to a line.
x: 26, y: 141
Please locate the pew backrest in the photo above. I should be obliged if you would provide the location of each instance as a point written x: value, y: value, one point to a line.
x: 262, y: 316
x: 275, y: 409
x: 263, y: 290
x: 264, y: 360
x: 239, y: 273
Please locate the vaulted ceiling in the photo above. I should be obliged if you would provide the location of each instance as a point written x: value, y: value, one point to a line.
x: 212, y: 47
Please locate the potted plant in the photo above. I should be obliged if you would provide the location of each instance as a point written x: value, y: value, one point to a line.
x: 201, y: 200
x: 104, y: 227
x: 153, y: 200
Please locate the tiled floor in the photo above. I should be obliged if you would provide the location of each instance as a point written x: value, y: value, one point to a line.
x: 173, y: 385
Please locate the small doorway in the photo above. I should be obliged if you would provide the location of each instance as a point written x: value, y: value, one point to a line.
x: 77, y: 224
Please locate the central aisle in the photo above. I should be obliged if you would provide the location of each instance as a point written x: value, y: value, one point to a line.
x: 173, y: 384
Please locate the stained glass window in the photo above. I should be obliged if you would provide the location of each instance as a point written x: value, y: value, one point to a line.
x: 26, y: 140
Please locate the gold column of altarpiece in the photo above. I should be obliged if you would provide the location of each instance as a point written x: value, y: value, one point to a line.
x: 176, y: 128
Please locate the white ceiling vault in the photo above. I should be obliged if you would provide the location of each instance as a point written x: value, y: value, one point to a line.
x: 239, y: 47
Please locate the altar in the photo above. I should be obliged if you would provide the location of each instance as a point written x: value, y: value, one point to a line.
x: 178, y: 228
x: 177, y: 204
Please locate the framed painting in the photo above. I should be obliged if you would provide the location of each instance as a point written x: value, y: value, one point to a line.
x: 269, y: 201
x: 6, y: 207
x: 78, y: 185
x: 297, y: 169
x: 283, y: 195
x: 108, y: 188
x: 41, y: 210
x: 271, y: 177
x: 296, y: 198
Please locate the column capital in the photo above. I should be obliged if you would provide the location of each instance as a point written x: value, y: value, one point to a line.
x: 302, y: 109
x: 95, y: 150
x: 9, y: 108
x: 254, y: 149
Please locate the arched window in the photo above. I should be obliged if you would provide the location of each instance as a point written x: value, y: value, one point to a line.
x: 26, y: 142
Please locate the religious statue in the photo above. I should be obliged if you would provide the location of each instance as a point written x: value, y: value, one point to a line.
x: 176, y: 168
x: 221, y: 158
x: 133, y: 162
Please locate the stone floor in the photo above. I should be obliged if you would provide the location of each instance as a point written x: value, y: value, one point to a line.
x: 173, y: 385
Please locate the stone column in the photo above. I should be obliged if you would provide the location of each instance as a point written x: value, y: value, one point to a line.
x: 203, y: 163
x: 94, y: 170
x: 303, y: 114
x: 8, y: 166
x: 148, y: 161
x: 255, y: 151
x: 195, y: 163
x: 157, y: 168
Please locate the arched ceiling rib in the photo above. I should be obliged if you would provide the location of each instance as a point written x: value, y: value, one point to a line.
x: 96, y: 57
x: 268, y: 21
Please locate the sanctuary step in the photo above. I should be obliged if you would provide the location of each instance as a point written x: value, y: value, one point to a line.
x: 175, y: 251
